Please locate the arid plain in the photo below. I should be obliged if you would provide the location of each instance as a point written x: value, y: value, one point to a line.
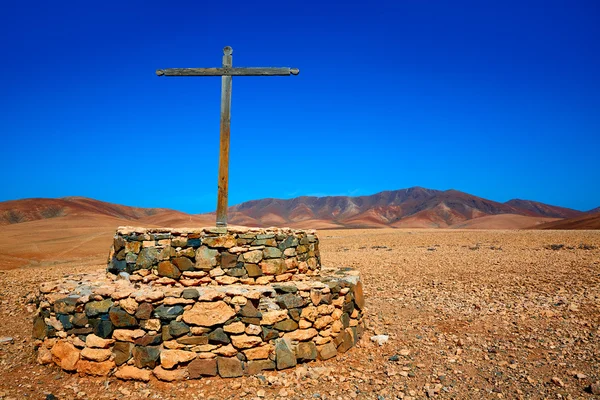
x: 470, y: 314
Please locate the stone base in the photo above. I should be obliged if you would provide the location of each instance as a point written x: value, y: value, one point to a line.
x: 101, y: 324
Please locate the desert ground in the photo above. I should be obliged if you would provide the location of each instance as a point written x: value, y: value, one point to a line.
x: 470, y: 314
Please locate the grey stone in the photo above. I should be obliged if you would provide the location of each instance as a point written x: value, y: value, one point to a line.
x: 121, y: 318
x: 65, y: 306
x: 168, y: 312
x: 253, y: 270
x: 190, y: 293
x: 256, y: 366
x: 218, y: 336
x: 202, y: 367
x: 289, y: 300
x: 144, y: 311
x: 306, y: 351
x: 122, y: 352
x: 290, y: 241
x: 236, y: 272
x: 228, y: 260
x: 250, y: 311
x: 206, y: 258
x: 101, y: 327
x: 146, y: 356
x: 178, y: 328
x: 269, y: 333
x: 147, y: 258
x: 65, y: 320
x: 229, y: 367
x: 168, y: 269
x: 271, y: 252
x: 286, y: 325
x: 284, y: 354
x: 285, y: 288
x: 149, y: 340
x: 94, y: 308
x: 183, y: 263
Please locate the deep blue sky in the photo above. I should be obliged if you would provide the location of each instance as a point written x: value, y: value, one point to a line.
x: 500, y: 99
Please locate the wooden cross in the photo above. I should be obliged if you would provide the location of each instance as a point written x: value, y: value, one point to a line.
x: 226, y: 72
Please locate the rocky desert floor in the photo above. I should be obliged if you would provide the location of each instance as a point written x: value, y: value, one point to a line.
x: 468, y: 315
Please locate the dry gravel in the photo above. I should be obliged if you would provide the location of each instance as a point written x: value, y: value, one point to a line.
x: 469, y: 314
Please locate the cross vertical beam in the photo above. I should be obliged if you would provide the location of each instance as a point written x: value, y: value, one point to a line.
x: 223, y: 183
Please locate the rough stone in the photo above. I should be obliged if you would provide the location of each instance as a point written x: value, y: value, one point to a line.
x: 254, y: 367
x: 183, y: 264
x: 128, y: 372
x: 193, y: 340
x: 271, y: 252
x: 235, y: 327
x: 208, y: 314
x: 224, y: 241
x: 190, y: 293
x: 284, y: 354
x: 121, y: 318
x: 168, y: 269
x: 259, y: 353
x: 302, y: 334
x: 218, y: 336
x: 273, y: 267
x: 122, y: 352
x: 168, y: 312
x: 253, y: 257
x: 206, y: 258
x: 94, y: 308
x: 128, y: 335
x: 147, y: 258
x: 306, y: 351
x: 253, y: 270
x: 65, y: 306
x: 145, y: 356
x: 97, y: 342
x: 327, y: 351
x: 229, y: 367
x: 170, y: 358
x: 271, y: 317
x: 98, y: 355
x: 249, y: 310
x: 85, y: 367
x: 144, y: 311
x: 65, y: 355
x: 286, y: 325
x: 170, y: 376
x: 245, y: 341
x: 129, y: 305
x: 202, y: 367
x: 289, y: 300
x: 178, y: 328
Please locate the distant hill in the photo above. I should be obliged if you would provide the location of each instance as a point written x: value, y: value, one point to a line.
x: 406, y: 208
x: 594, y: 211
x: 586, y: 221
x: 16, y: 211
x: 541, y: 209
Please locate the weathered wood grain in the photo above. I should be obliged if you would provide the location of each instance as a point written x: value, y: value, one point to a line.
x: 239, y: 71
x: 223, y: 185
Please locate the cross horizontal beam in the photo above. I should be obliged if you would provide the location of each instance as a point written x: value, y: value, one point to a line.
x: 237, y: 71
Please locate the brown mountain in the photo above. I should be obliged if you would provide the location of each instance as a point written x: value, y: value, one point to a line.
x: 535, y: 208
x: 406, y: 208
x: 594, y: 211
x: 16, y: 211
x: 586, y: 221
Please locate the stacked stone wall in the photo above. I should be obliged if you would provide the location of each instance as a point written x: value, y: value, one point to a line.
x: 214, y: 255
x: 134, y: 322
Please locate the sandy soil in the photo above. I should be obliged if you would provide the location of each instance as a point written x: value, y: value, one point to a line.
x: 469, y: 314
